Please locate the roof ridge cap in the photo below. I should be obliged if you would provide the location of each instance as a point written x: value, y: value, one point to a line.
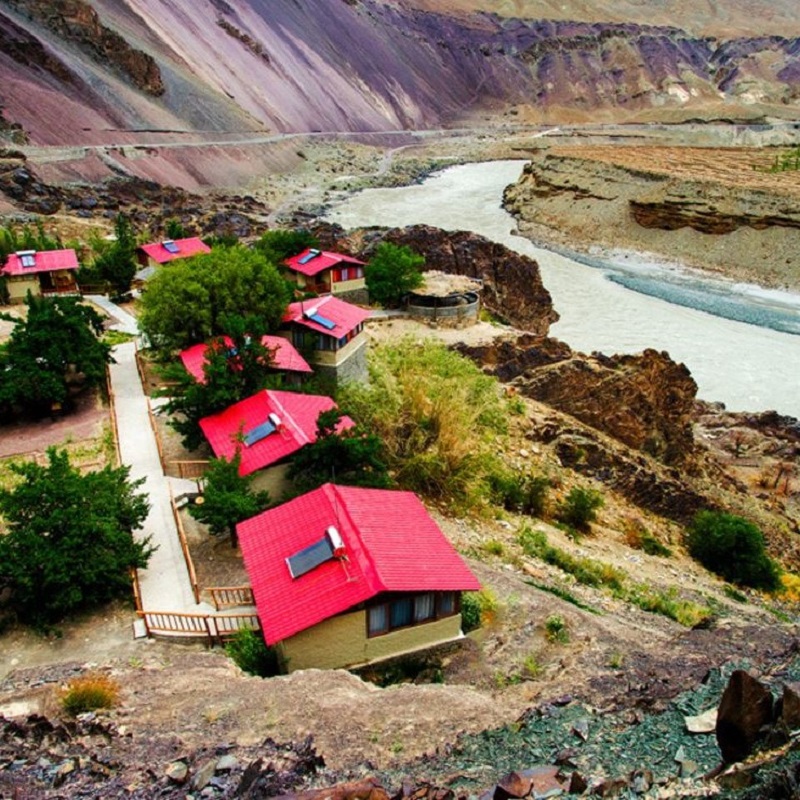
x: 372, y: 574
x: 288, y: 419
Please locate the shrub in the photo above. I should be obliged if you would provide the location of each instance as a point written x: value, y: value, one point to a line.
x: 251, y: 654
x: 525, y: 494
x: 493, y: 547
x: 88, y: 693
x: 439, y: 417
x: 638, y: 537
x: 733, y: 548
x: 556, y: 629
x: 579, y: 508
x: 477, y: 608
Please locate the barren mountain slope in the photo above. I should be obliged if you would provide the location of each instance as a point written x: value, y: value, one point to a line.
x: 83, y: 72
x: 716, y: 18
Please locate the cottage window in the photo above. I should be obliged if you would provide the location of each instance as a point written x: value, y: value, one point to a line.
x: 402, y: 611
x: 378, y: 619
x: 447, y: 604
x: 424, y: 606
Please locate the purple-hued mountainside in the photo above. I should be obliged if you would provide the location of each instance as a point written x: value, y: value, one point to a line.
x: 82, y: 72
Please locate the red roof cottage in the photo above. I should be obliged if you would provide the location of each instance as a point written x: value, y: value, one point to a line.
x: 323, y: 272
x: 285, y: 358
x: 267, y: 428
x: 344, y: 576
x: 156, y: 253
x: 329, y: 332
x: 40, y: 272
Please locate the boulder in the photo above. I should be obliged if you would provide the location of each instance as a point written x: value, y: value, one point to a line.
x: 745, y: 708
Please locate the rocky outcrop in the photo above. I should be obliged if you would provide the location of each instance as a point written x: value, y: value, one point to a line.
x: 645, y: 401
x: 513, y: 288
x: 76, y: 22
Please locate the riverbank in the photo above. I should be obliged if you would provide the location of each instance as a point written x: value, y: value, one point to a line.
x: 714, y: 209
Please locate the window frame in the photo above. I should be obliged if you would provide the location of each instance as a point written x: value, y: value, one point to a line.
x: 387, y: 600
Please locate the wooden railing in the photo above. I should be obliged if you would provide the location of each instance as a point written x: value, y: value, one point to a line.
x: 229, y: 596
x: 137, y: 589
x: 215, y: 629
x: 185, y: 547
x: 113, y: 411
x: 191, y: 470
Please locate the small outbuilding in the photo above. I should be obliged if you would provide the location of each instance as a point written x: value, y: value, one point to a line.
x: 40, y: 272
x: 345, y: 576
x: 448, y: 300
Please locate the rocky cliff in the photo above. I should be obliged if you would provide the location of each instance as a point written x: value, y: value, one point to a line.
x: 211, y: 65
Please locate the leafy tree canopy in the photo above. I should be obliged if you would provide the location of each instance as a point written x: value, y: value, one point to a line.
x: 280, y: 243
x: 234, y: 369
x: 55, y: 346
x: 392, y: 273
x: 188, y: 300
x: 733, y: 548
x: 68, y: 542
x: 228, y: 497
x: 350, y: 457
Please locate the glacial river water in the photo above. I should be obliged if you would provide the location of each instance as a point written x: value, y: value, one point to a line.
x: 741, y: 343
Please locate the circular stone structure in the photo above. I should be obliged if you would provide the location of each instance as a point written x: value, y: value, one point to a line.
x: 449, y: 300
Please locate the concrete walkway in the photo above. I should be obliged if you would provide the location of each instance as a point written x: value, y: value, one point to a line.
x: 125, y: 322
x: 165, y: 584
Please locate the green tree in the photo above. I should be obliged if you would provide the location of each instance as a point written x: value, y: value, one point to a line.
x: 280, y: 244
x: 733, y: 548
x: 55, y: 347
x: 351, y: 457
x: 68, y: 543
x: 189, y: 301
x: 174, y: 229
x: 392, y: 273
x: 27, y: 238
x: 228, y: 497
x: 116, y: 263
x: 234, y: 369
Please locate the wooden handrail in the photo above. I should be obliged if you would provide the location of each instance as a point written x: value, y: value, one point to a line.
x: 187, y: 556
x: 230, y: 596
x: 216, y: 628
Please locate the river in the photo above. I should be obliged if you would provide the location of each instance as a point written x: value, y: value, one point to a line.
x: 620, y: 305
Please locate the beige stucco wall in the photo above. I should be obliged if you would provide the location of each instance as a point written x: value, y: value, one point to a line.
x: 349, y: 286
x: 342, y: 642
x: 332, y: 358
x: 18, y: 288
x: 273, y: 480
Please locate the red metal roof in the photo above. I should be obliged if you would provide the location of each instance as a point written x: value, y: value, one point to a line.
x: 186, y: 247
x: 43, y: 261
x: 284, y: 357
x: 345, y: 316
x: 318, y: 263
x: 391, y: 543
x: 298, y: 414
